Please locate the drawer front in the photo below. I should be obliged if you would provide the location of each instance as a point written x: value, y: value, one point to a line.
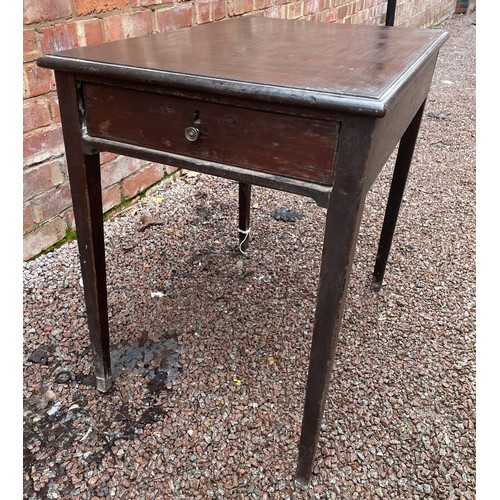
x: 292, y: 146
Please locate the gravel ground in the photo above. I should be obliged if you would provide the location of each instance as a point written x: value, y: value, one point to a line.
x: 210, y: 348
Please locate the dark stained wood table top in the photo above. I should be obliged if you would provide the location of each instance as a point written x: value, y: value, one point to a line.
x: 362, y: 65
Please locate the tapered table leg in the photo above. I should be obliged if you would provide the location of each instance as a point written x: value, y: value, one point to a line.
x: 335, y: 268
x: 401, y: 169
x: 344, y: 213
x: 245, y: 192
x: 85, y: 182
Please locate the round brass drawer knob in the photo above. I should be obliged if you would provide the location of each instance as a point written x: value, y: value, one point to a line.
x: 192, y: 134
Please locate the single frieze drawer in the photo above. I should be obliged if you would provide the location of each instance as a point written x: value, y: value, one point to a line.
x: 292, y: 146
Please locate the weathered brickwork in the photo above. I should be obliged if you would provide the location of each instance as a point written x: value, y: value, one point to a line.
x: 51, y: 25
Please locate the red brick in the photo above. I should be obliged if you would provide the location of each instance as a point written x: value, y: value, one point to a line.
x: 59, y: 37
x: 27, y: 218
x: 141, y: 180
x: 43, y: 237
x: 167, y: 169
x: 41, y: 178
x: 147, y: 3
x: 111, y: 198
x: 360, y: 17
x: 31, y: 50
x: 69, y: 217
x: 51, y: 203
x: 90, y: 32
x: 37, y: 81
x: 294, y: 10
x: 277, y: 11
x: 311, y: 6
x: 120, y: 26
x: 330, y: 16
x: 138, y: 24
x: 319, y: 17
x: 35, y: 11
x: 238, y: 7
x: 113, y: 27
x: 343, y: 11
x: 324, y: 5
x: 85, y: 7
x: 54, y: 109
x: 35, y: 114
x: 210, y: 10
x: 118, y: 169
x: 172, y: 19
x: 106, y: 156
x: 42, y: 144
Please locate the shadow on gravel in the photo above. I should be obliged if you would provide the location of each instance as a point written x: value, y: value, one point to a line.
x: 51, y: 427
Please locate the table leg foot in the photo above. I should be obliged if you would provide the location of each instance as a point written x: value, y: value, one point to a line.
x: 104, y: 383
x: 303, y: 481
x: 102, y: 360
x: 305, y: 464
x: 376, y: 283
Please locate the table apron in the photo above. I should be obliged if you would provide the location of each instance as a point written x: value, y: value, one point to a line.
x: 282, y: 144
x: 389, y: 129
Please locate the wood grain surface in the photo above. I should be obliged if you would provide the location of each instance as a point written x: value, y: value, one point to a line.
x: 265, y: 56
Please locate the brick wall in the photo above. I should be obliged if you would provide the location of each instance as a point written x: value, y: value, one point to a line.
x: 51, y: 25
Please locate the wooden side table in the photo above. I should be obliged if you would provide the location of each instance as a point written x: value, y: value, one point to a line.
x: 310, y: 108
